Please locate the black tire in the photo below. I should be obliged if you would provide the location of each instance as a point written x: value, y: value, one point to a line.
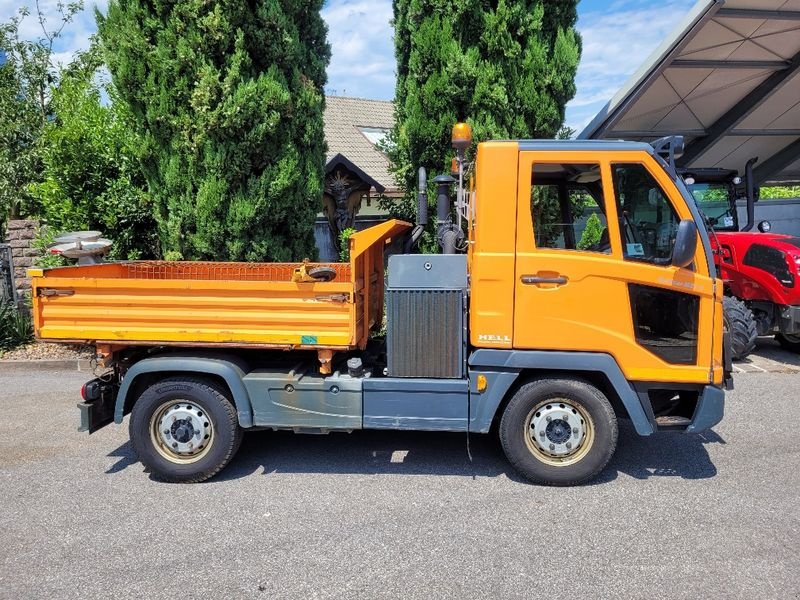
x: 741, y: 326
x: 789, y: 342
x: 579, y: 396
x: 214, y: 410
x: 323, y: 273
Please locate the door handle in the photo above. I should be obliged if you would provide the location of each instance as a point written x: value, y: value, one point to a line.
x: 536, y: 280
x: 52, y: 292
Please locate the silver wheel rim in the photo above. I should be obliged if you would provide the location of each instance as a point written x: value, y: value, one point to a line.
x: 181, y: 431
x: 559, y: 432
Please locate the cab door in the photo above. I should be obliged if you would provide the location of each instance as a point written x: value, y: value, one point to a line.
x: 611, y: 289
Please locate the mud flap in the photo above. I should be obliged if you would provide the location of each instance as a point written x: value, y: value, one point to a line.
x: 727, y: 361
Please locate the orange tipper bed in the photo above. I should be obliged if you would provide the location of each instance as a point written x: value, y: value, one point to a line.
x: 217, y: 304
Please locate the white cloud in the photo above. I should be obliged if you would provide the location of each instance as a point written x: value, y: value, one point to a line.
x: 362, y: 49
x: 74, y: 36
x: 616, y: 41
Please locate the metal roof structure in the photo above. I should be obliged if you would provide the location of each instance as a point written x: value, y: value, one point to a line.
x: 728, y: 80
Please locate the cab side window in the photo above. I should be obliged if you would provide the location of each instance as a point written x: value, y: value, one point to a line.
x: 568, y: 208
x: 647, y: 221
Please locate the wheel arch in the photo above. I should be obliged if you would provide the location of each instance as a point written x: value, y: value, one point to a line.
x: 507, y: 370
x: 227, y: 371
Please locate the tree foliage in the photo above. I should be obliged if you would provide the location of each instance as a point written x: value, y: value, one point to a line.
x: 592, y: 233
x: 28, y: 75
x: 90, y: 177
x: 227, y: 98
x: 507, y: 68
x: 779, y: 192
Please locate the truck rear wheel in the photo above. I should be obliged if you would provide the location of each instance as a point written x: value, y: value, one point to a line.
x: 741, y: 326
x: 558, y: 431
x: 184, y: 429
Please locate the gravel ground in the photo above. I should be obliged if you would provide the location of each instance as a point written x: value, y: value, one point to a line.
x: 44, y: 351
x: 406, y: 515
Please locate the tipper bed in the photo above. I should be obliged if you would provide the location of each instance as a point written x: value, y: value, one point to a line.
x: 268, y: 305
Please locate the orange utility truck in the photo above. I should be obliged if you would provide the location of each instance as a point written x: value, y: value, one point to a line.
x: 519, y: 327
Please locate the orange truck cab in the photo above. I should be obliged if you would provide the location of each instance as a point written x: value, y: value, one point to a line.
x: 534, y: 323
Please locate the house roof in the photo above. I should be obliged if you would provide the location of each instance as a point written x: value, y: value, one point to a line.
x: 728, y: 80
x: 345, y: 118
x: 342, y: 160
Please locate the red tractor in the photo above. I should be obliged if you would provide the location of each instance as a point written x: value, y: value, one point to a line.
x: 761, y: 270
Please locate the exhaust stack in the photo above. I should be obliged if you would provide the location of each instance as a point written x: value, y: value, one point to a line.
x: 447, y: 234
x: 751, y: 194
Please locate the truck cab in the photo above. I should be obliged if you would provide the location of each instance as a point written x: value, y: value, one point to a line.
x: 520, y: 327
x: 624, y: 296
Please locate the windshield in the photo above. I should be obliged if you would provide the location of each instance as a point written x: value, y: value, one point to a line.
x: 713, y: 200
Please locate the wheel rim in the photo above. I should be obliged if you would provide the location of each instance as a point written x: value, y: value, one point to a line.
x: 559, y: 432
x: 181, y: 431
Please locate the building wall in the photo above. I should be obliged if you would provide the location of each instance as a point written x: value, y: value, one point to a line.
x: 783, y: 215
x: 20, y: 236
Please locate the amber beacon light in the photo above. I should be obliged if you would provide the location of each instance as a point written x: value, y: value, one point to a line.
x: 461, y: 136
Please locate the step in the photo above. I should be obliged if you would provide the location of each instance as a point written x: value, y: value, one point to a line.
x: 672, y: 421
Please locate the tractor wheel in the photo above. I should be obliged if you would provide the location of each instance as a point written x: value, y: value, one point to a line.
x: 789, y: 342
x: 741, y: 326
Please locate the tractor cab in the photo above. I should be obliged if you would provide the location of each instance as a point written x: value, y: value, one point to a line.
x: 760, y: 270
x: 716, y: 191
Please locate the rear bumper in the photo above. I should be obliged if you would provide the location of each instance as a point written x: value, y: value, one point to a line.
x: 789, y: 319
x: 709, y: 411
x: 97, y: 411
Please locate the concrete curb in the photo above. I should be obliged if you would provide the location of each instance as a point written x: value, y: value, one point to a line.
x: 45, y: 365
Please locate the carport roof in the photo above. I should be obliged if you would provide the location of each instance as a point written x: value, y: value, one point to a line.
x: 728, y: 80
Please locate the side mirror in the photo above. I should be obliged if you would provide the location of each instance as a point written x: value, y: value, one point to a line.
x: 685, y: 244
x: 765, y: 226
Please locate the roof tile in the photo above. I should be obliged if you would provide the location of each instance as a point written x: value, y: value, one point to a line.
x: 343, y: 118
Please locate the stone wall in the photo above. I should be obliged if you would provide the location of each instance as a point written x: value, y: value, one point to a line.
x: 20, y: 236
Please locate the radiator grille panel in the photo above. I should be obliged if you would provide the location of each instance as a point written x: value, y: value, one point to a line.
x: 426, y: 333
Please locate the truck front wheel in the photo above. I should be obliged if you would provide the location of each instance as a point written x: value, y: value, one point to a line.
x: 184, y: 429
x: 558, y: 431
x: 789, y: 342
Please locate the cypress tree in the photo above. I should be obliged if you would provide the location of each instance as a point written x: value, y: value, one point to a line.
x: 228, y: 99
x: 506, y: 67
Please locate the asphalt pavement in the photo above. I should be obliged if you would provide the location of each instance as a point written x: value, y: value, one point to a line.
x: 371, y: 514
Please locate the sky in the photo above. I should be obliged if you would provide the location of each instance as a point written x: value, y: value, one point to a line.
x: 618, y: 35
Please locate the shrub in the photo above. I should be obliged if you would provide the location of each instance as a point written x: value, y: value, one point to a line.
x: 16, y: 327
x: 344, y: 244
x: 91, y: 179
